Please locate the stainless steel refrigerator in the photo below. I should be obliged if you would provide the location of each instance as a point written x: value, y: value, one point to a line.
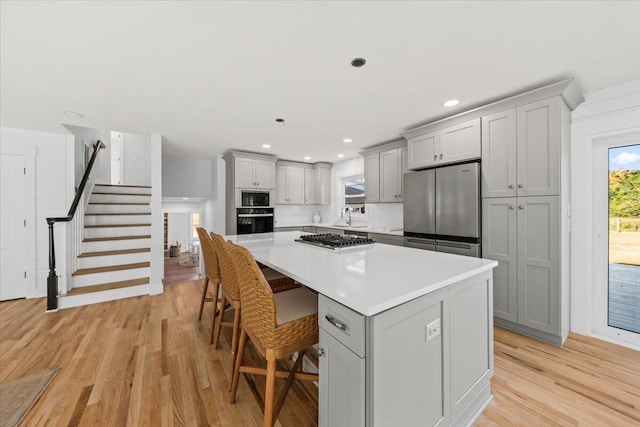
x: 442, y: 209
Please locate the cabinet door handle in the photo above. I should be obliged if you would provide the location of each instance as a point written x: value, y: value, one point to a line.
x: 335, y: 323
x: 511, y: 207
x: 520, y: 185
x: 435, y: 157
x: 511, y: 186
x: 521, y: 207
x: 440, y: 156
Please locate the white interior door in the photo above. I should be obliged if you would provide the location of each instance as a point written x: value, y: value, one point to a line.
x: 13, y: 236
x: 616, y: 238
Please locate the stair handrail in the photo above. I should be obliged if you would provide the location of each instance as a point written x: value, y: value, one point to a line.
x: 52, y: 279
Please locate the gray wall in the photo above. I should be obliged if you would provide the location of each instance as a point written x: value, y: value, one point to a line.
x: 186, y: 177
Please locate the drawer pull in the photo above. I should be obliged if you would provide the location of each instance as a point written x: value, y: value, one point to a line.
x: 335, y: 323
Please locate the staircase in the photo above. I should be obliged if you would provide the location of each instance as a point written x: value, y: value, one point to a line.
x: 116, y: 248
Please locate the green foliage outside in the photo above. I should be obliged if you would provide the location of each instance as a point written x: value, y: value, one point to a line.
x: 624, y: 200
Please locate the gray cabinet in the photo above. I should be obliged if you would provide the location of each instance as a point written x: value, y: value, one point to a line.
x: 499, y: 232
x: 539, y: 263
x: 341, y: 393
x: 372, y: 178
x: 523, y: 234
x: 427, y: 362
x: 387, y: 239
x: 254, y: 173
x: 539, y: 148
x: 499, y: 154
x: 521, y: 150
x: 303, y: 183
x: 383, y: 169
x: 447, y: 145
x: 309, y: 186
x: 289, y: 185
x: 324, y: 230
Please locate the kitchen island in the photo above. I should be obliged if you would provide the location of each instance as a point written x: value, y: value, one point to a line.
x: 406, y: 335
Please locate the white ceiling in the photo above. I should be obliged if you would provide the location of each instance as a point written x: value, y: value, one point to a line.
x: 210, y: 76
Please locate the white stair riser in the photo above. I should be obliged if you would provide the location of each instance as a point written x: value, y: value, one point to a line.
x: 103, y: 261
x: 68, y: 301
x: 118, y: 208
x: 109, y: 276
x: 118, y: 198
x: 116, y: 231
x: 113, y: 245
x: 110, y: 189
x: 116, y: 219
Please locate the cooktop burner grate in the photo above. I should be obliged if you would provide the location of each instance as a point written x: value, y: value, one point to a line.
x: 334, y: 241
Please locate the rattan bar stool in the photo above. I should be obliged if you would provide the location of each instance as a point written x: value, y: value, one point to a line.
x: 211, y: 275
x: 231, y: 291
x: 278, y: 325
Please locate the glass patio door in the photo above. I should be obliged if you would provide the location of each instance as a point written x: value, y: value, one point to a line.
x: 616, y: 296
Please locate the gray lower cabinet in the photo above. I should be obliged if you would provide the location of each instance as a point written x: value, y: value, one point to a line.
x: 523, y: 234
x: 427, y: 362
x: 278, y: 229
x: 323, y: 230
x: 387, y: 239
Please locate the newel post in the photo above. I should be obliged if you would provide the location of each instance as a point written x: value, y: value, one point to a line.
x: 52, y: 279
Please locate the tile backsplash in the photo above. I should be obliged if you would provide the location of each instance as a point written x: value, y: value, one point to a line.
x: 378, y: 214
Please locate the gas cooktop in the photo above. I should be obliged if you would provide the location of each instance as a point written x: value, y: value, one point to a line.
x: 334, y: 241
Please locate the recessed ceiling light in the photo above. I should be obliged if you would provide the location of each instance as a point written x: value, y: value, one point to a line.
x: 341, y: 155
x: 266, y: 146
x: 451, y: 103
x: 185, y: 198
x: 307, y: 158
x: 358, y: 62
x: 347, y: 140
x: 73, y: 114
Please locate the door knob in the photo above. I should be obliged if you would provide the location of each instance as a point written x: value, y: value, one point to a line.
x: 520, y: 185
x: 511, y: 186
x: 521, y: 207
x: 511, y: 207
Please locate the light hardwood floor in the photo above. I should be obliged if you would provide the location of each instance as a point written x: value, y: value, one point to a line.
x: 146, y: 361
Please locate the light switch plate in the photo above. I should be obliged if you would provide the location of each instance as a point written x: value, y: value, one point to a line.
x: 433, y: 329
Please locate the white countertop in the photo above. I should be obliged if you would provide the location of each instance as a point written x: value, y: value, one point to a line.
x: 362, y: 227
x: 368, y: 279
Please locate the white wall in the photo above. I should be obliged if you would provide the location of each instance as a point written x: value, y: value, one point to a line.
x: 607, y: 112
x: 136, y: 151
x: 53, y: 193
x: 87, y: 136
x: 157, y: 219
x: 186, y: 177
x: 213, y: 210
x: 179, y: 229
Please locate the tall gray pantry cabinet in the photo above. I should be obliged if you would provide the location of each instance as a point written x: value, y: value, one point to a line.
x: 526, y: 215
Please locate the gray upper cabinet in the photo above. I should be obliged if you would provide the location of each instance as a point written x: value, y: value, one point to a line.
x: 448, y: 145
x: 521, y: 150
x: 309, y: 186
x: 290, y: 185
x: 499, y: 232
x: 499, y: 154
x: 539, y: 148
x: 383, y: 169
x: 254, y: 173
x: 372, y: 178
x: 539, y: 263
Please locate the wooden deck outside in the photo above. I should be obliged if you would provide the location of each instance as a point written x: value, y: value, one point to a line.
x: 624, y: 297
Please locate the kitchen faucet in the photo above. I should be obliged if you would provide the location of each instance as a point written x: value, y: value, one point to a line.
x: 348, y: 208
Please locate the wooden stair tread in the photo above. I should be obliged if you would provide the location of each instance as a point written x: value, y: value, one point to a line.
x: 94, y: 270
x: 104, y: 239
x: 122, y: 185
x: 118, y: 225
x: 115, y: 252
x: 118, y: 203
x: 118, y: 213
x: 108, y: 286
x: 120, y: 194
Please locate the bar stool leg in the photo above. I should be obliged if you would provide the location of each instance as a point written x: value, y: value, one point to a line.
x: 236, y: 369
x: 220, y: 316
x: 234, y: 338
x: 269, y: 391
x: 204, y: 296
x: 215, y: 340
